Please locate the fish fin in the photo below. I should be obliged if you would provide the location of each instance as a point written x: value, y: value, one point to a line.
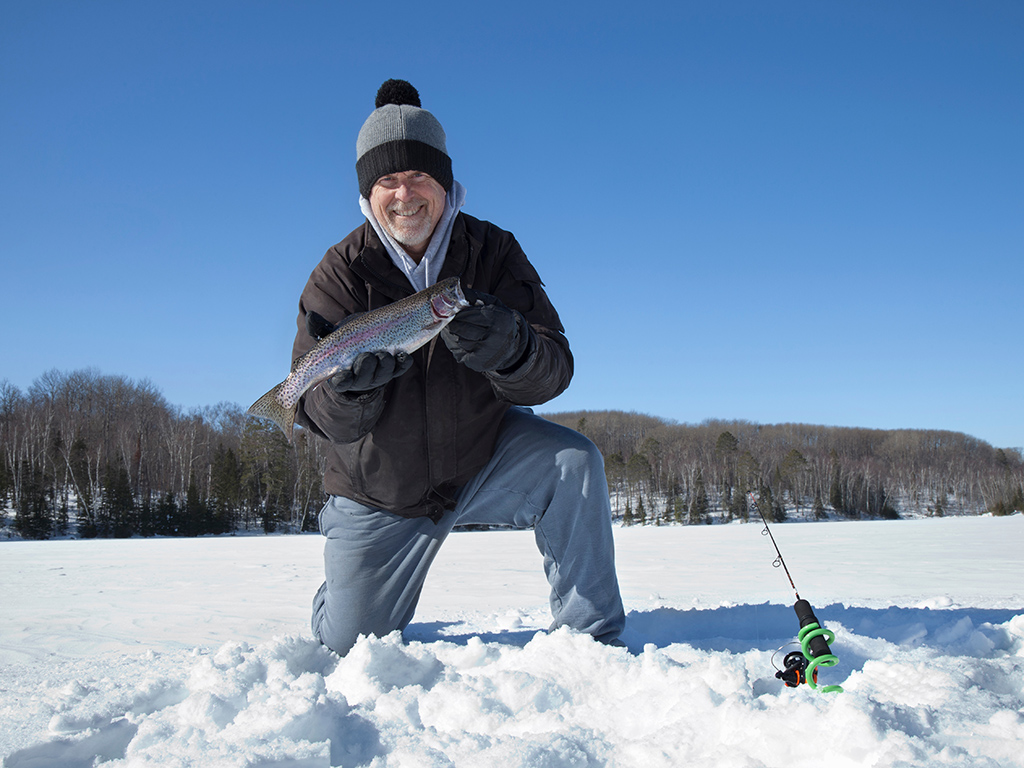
x: 269, y: 407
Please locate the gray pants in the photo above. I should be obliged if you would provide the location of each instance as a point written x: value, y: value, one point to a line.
x: 542, y: 476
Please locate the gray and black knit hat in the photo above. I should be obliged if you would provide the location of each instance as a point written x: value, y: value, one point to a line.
x: 400, y: 136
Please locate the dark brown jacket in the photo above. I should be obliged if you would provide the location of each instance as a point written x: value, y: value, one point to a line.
x: 410, y: 445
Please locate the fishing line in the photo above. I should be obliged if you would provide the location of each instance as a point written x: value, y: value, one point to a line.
x: 802, y: 666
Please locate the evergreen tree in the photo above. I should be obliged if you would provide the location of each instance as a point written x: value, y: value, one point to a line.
x: 638, y: 476
x: 168, y: 516
x: 117, y: 507
x: 726, y: 444
x: 225, y: 489
x: 669, y: 515
x: 581, y: 426
x: 748, y: 476
x: 699, y: 502
x: 614, y: 472
x: 835, y: 491
x: 818, y: 508
x: 769, y: 507
x: 678, y: 509
x: 6, y: 482
x: 726, y: 455
x: 34, y: 504
x: 196, y: 514
x: 738, y: 509
x: 147, y: 517
x: 791, y: 469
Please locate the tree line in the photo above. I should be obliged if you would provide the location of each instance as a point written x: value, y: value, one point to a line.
x: 93, y: 455
x: 663, y: 472
x: 96, y: 455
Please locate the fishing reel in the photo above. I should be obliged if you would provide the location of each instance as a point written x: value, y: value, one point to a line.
x: 802, y: 666
x: 795, y: 671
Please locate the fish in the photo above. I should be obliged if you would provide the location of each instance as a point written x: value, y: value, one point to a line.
x: 402, y: 326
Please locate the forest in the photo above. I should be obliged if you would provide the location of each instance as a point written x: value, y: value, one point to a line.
x: 662, y: 472
x: 91, y: 455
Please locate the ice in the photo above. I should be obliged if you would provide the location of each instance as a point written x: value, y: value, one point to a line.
x: 197, y: 652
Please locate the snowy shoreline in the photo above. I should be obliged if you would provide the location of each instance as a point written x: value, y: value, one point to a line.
x: 197, y: 652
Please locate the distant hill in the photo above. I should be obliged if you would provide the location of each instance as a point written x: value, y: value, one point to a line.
x: 689, y: 471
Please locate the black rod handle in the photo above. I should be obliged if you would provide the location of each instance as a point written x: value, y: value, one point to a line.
x: 805, y: 614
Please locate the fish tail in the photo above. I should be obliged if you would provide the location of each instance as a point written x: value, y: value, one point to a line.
x: 269, y: 407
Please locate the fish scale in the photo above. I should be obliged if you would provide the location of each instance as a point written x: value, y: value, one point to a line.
x: 403, y: 326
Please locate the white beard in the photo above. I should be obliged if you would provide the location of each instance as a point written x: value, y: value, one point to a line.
x: 410, y: 231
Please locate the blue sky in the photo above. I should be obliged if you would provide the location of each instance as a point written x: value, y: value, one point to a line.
x: 772, y: 211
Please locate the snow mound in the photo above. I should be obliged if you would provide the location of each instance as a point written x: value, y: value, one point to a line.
x: 949, y: 693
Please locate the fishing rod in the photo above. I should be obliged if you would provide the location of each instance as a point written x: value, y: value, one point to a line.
x: 802, y: 666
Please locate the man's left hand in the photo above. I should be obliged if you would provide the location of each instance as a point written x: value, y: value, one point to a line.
x: 487, y: 336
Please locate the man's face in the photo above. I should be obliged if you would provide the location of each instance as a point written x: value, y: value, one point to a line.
x: 408, y: 205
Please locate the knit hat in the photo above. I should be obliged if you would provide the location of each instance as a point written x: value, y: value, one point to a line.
x: 400, y: 136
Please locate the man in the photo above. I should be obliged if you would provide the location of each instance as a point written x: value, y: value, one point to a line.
x: 422, y: 442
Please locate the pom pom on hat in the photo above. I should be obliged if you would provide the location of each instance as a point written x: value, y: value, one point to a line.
x: 397, y: 92
x: 401, y: 136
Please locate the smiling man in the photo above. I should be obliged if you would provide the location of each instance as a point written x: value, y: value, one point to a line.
x: 409, y: 205
x: 422, y: 442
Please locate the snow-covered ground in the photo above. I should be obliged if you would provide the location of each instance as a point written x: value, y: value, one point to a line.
x: 178, y: 652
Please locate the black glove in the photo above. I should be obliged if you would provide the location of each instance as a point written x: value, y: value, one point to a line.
x: 318, y: 326
x: 487, y: 335
x: 369, y: 371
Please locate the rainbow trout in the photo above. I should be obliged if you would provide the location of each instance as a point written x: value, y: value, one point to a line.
x: 404, y: 326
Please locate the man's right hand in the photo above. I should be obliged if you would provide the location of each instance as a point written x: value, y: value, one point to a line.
x: 369, y: 371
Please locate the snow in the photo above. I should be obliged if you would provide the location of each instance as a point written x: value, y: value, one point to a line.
x: 175, y: 652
